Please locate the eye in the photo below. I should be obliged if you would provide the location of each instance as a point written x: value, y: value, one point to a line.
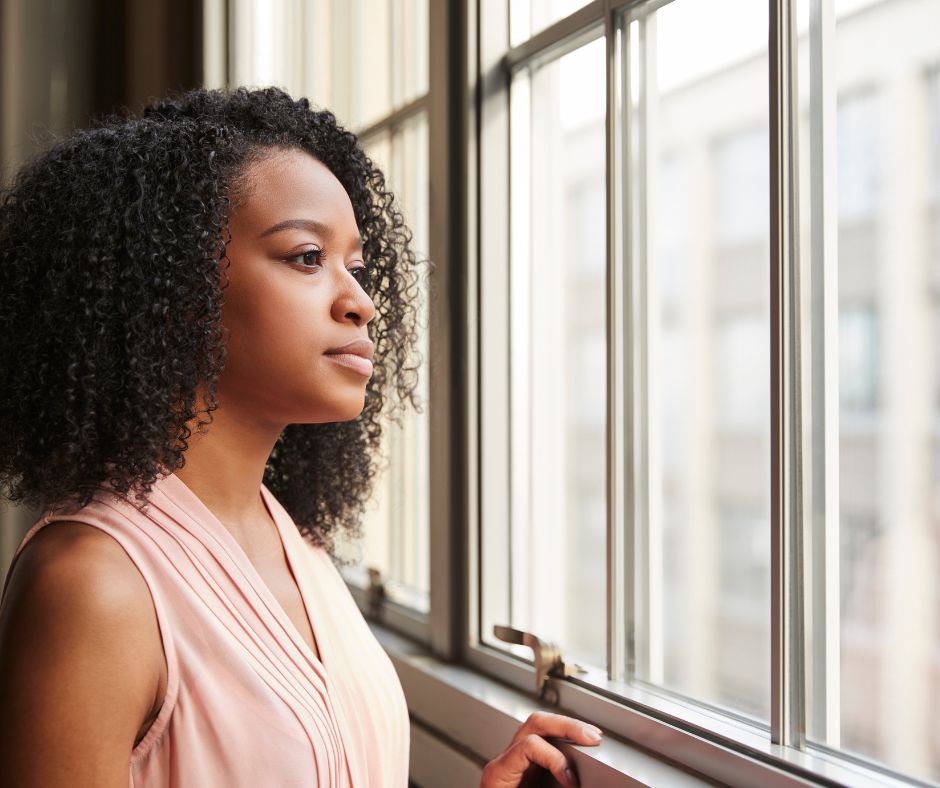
x: 309, y: 259
x: 363, y: 275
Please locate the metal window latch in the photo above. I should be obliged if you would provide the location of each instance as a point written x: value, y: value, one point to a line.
x: 548, y: 660
x: 375, y: 593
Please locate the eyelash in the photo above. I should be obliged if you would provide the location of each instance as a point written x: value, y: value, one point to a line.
x: 362, y: 275
x: 317, y: 253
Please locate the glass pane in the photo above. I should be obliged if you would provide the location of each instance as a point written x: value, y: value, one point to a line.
x: 268, y: 45
x: 361, y: 59
x: 528, y: 17
x: 396, y: 525
x: 410, y: 65
x: 871, y: 244
x: 379, y: 149
x: 558, y: 354
x: 380, y: 57
x: 362, y: 73
x: 697, y: 179
x: 408, y: 466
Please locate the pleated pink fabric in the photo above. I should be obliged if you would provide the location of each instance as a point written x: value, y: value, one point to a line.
x: 248, y: 703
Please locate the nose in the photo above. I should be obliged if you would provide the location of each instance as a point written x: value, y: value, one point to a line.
x: 352, y: 303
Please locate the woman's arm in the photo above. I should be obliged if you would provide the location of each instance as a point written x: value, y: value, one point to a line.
x: 80, y: 661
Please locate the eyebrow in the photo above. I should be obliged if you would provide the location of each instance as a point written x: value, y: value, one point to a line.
x: 303, y: 224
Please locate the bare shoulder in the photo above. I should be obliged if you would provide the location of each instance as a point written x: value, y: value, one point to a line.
x: 72, y: 575
x: 80, y: 659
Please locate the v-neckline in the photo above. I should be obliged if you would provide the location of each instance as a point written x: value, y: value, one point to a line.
x: 271, y: 601
x: 309, y: 587
x: 299, y: 581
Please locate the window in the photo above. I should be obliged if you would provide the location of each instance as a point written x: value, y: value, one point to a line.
x: 872, y: 643
x: 557, y: 357
x: 528, y: 17
x: 698, y: 337
x: 761, y: 373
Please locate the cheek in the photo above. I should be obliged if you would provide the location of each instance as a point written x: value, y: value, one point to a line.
x: 271, y: 332
x: 275, y: 363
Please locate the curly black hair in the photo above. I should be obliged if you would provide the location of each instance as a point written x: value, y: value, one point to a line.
x: 111, y: 247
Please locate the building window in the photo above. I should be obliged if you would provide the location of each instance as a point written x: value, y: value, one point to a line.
x: 858, y: 360
x: 859, y: 155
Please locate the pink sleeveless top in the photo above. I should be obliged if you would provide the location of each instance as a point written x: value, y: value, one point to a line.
x: 247, y: 701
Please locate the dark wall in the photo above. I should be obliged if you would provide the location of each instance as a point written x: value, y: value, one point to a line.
x: 64, y: 62
x: 143, y: 49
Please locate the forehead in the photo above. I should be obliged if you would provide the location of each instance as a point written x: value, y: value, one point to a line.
x: 292, y: 184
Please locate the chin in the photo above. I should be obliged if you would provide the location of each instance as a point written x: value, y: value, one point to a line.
x: 346, y: 410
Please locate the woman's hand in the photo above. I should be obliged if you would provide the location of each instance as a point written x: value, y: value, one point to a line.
x: 528, y: 752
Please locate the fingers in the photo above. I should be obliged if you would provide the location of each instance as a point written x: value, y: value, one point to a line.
x: 534, y: 749
x: 544, y: 723
x: 528, y: 748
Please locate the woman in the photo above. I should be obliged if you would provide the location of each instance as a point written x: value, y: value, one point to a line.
x: 203, y: 312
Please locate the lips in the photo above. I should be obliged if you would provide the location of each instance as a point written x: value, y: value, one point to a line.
x: 358, y: 347
x: 355, y: 355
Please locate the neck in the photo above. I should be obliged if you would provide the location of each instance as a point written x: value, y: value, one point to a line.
x: 225, y: 467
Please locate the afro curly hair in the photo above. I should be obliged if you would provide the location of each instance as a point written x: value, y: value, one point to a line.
x: 111, y: 248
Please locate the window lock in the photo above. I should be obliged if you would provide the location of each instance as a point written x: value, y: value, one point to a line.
x: 548, y: 660
x: 375, y: 593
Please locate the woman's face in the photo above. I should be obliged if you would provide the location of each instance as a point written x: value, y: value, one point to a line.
x: 295, y: 314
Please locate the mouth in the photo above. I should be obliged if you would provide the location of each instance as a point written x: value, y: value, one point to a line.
x: 355, y: 356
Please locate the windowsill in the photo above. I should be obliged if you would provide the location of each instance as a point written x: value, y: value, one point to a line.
x: 472, y: 717
x: 479, y: 717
